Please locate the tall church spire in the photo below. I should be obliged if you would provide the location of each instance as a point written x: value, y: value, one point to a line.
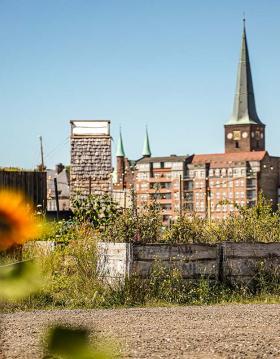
x: 244, y: 109
x: 146, y: 148
x: 244, y: 131
x: 120, y: 149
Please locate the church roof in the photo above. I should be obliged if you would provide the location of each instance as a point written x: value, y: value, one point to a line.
x: 146, y: 148
x: 120, y: 148
x: 244, y: 109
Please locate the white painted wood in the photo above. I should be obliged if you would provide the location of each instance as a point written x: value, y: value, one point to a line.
x: 92, y: 128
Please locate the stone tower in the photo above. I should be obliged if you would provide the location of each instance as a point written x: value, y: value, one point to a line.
x: 244, y: 131
x: 91, y: 160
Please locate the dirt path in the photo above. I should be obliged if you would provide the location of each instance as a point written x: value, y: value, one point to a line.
x: 231, y: 331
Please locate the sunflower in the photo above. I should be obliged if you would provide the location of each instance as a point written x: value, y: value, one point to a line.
x: 17, y: 221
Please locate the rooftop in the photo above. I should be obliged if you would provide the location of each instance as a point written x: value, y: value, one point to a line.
x: 172, y: 158
x: 229, y: 157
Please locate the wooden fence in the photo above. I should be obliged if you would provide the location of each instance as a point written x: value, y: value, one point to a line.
x: 32, y: 184
x: 225, y: 261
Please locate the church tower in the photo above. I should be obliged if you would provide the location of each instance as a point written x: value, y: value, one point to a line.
x: 120, y: 155
x: 244, y: 131
x: 146, y: 147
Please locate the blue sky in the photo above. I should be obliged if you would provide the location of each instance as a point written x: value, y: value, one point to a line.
x: 170, y: 65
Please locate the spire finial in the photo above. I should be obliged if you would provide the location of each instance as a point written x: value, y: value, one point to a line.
x: 244, y: 22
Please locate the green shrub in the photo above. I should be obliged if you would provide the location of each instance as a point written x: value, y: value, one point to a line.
x: 98, y: 210
x: 144, y: 227
x: 250, y: 224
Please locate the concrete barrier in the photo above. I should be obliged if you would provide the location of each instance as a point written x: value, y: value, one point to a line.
x: 227, y: 261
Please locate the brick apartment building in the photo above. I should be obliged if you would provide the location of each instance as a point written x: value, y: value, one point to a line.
x: 161, y: 179
x: 210, y: 184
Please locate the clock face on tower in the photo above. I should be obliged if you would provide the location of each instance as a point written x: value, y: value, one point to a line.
x: 229, y: 136
x: 236, y: 135
x: 245, y: 134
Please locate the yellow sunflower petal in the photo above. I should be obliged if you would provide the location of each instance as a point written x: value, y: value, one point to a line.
x: 17, y: 222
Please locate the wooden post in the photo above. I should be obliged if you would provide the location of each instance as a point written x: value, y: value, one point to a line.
x: 56, y: 197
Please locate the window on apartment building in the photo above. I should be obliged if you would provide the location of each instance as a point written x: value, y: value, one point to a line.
x: 188, y: 185
x: 176, y: 174
x: 162, y: 164
x: 142, y: 175
x: 251, y: 182
x: 188, y: 196
x: 143, y: 167
x: 211, y: 173
x: 160, y: 185
x: 217, y: 172
x: 197, y: 184
x: 144, y: 197
x: 156, y: 165
x: 236, y: 172
x: 166, y: 206
x: 230, y: 172
x: 188, y: 207
x: 176, y: 165
x: 224, y: 172
x: 166, y: 218
x: 160, y: 196
x: 144, y: 185
x: 251, y: 194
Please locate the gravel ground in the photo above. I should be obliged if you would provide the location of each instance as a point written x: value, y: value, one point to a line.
x: 231, y: 331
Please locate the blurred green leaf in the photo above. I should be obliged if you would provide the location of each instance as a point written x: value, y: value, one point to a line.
x: 72, y: 343
x: 19, y: 280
